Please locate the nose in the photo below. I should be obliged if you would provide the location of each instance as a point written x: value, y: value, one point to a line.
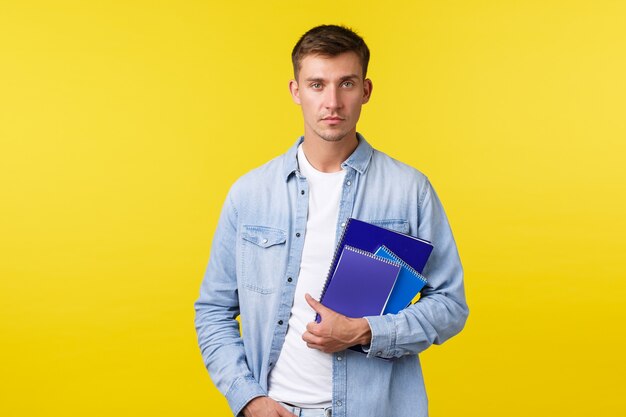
x: 332, y: 99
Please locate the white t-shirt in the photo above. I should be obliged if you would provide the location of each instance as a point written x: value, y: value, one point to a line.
x: 303, y: 376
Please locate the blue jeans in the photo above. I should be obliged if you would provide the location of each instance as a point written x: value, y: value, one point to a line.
x: 308, y: 412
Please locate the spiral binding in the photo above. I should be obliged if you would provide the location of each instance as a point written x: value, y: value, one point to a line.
x: 333, y: 264
x: 371, y: 255
x: 401, y: 262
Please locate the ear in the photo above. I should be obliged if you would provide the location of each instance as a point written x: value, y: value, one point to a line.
x: 295, y: 91
x: 367, y: 90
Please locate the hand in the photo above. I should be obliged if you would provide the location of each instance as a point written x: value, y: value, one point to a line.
x: 335, y: 332
x: 265, y: 407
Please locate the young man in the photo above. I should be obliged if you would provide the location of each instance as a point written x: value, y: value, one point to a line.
x: 273, y: 246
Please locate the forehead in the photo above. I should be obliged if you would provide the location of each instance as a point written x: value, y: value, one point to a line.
x: 330, y: 67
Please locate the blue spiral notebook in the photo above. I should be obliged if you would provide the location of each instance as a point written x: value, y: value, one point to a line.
x: 361, y: 284
x: 369, y: 237
x: 408, y: 284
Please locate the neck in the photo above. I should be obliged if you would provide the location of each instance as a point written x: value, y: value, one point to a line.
x: 328, y: 156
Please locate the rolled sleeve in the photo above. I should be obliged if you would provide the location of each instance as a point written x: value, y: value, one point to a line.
x: 383, y: 340
x: 242, y: 392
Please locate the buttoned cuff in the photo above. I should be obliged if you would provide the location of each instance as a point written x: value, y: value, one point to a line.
x: 383, y: 341
x: 241, y: 392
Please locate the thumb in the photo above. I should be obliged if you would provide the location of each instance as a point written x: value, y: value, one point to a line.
x: 315, y: 305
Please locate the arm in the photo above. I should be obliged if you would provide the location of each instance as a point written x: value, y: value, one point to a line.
x: 216, y: 311
x: 438, y: 315
x: 441, y: 311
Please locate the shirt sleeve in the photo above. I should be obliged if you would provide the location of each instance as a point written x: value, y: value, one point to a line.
x: 441, y: 311
x: 216, y: 309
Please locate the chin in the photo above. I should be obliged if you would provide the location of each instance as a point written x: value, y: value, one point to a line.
x: 333, y: 136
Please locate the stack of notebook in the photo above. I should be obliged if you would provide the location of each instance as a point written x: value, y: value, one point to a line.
x: 374, y: 271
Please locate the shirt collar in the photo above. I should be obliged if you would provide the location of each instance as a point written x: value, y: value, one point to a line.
x: 358, y: 160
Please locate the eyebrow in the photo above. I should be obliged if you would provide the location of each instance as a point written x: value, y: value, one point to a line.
x: 344, y: 78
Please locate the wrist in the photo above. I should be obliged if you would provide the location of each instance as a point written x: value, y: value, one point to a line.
x: 363, y: 332
x: 249, y: 407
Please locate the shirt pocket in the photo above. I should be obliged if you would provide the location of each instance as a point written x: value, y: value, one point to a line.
x: 398, y: 225
x: 262, y: 255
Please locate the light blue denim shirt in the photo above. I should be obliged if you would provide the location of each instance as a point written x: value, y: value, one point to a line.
x: 253, y: 271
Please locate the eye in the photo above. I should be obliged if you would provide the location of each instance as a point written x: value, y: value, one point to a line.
x: 347, y: 84
x: 316, y: 86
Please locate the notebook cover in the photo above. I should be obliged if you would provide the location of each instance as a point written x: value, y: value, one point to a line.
x: 361, y: 284
x: 408, y: 284
x: 368, y: 237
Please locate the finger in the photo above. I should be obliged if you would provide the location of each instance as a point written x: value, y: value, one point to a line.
x: 312, y: 327
x: 323, y: 348
x: 314, y: 346
x: 311, y: 338
x: 315, y: 305
x: 283, y: 412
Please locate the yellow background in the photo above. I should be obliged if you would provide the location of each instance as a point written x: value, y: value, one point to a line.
x: 123, y: 123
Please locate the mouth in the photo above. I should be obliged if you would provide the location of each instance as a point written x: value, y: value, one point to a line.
x: 332, y: 120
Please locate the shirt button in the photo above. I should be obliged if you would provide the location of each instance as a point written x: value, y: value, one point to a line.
x: 264, y: 240
x: 297, y: 234
x: 302, y: 192
x: 343, y: 224
x: 338, y: 403
x: 379, y: 353
x: 289, y: 279
x: 339, y: 358
x: 280, y: 322
x: 348, y: 183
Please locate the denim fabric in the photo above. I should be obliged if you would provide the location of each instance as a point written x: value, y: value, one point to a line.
x: 253, y: 271
x: 308, y: 412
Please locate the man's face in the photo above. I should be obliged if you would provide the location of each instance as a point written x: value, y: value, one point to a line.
x: 331, y: 91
